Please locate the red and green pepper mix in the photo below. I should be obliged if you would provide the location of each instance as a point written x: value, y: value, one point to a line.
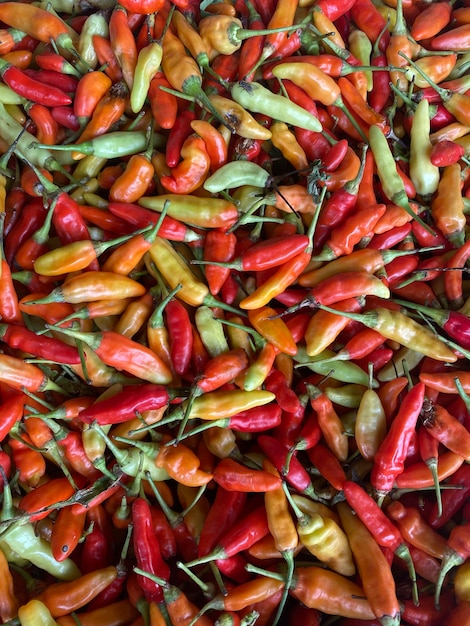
x: 234, y: 306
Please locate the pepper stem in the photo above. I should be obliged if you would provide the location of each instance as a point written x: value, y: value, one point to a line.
x: 462, y: 393
x: 432, y: 463
x: 288, y: 556
x: 403, y: 552
x: 160, y: 581
x: 253, y: 569
x: 450, y: 559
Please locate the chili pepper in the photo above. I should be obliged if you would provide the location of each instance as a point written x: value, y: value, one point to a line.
x: 424, y: 174
x: 327, y: 464
x: 147, y: 550
x: 383, y: 320
x: 46, y: 125
x: 123, y: 405
x: 295, y: 474
x: 118, y: 143
x: 91, y: 88
x: 243, y: 534
x: 62, y: 598
x: 47, y: 347
x: 182, y: 71
x: 418, y: 475
x: 10, y: 310
x: 374, y: 570
x: 397, y: 441
x: 431, y: 21
x: 10, y: 603
x: 286, y: 398
x: 233, y: 476
x: 330, y: 593
x: 447, y: 210
x: 251, y: 48
x: 12, y: 410
x: 415, y: 530
x: 123, y: 43
x: 180, y: 336
x: 147, y: 65
x: 122, y: 353
x: 258, y: 99
x: 132, y: 184
x: 455, y: 553
x: 272, y: 329
x: 391, y: 181
x: 377, y: 523
x: 285, y: 141
x: 106, y: 111
x: 20, y: 374
x: 181, y: 464
x: 231, y: 503
x: 446, y: 152
x: 50, y: 27
x: 445, y: 428
x: 181, y: 609
x: 461, y: 582
x: 191, y: 172
x: 35, y: 612
x: 329, y: 422
x: 281, y: 279
x: 32, y: 89
x: 66, y: 533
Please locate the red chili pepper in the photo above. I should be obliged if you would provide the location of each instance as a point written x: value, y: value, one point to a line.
x: 383, y: 530
x: 233, y: 476
x: 338, y: 207
x: 179, y: 132
x: 446, y: 152
x: 390, y: 457
x: 328, y: 465
x: 180, y: 334
x: 225, y: 510
x: 32, y: 89
x: 147, y: 550
x: 290, y: 468
x: 124, y: 405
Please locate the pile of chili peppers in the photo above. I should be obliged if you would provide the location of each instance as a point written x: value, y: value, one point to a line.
x: 234, y: 314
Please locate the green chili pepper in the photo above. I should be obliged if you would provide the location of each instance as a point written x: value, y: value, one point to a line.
x: 110, y: 145
x: 211, y: 331
x: 148, y: 64
x: 345, y: 371
x: 423, y: 173
x: 391, y: 182
x: 259, y: 99
x: 235, y: 174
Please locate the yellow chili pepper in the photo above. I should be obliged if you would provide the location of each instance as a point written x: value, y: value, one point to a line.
x: 285, y: 141
x: 447, y: 206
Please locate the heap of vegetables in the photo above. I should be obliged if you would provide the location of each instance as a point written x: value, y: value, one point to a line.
x: 234, y: 315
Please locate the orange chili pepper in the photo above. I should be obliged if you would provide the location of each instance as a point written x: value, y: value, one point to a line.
x: 216, y: 146
x: 182, y: 465
x: 106, y: 112
x: 91, y: 89
x: 66, y: 532
x: 192, y: 171
x: 123, y: 43
x: 63, y: 598
x: 273, y: 329
x: 9, y: 603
